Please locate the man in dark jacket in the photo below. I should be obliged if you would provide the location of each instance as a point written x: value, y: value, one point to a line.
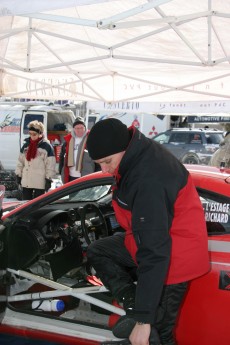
x: 157, y: 205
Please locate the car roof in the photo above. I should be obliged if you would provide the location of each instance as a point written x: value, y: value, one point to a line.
x: 211, y: 178
x: 221, y: 173
x: 205, y: 130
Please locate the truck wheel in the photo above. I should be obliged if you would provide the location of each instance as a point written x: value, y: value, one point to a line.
x: 190, y: 158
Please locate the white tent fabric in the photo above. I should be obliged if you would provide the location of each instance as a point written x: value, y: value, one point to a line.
x: 115, y: 51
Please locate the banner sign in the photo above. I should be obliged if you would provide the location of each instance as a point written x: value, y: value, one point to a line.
x: 209, y: 119
x: 220, y: 108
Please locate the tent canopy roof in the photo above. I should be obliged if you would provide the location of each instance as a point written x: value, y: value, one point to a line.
x: 114, y: 51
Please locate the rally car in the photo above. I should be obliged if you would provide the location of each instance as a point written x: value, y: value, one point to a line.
x: 43, y: 262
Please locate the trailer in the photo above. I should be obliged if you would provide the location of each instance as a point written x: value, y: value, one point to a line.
x: 131, y: 114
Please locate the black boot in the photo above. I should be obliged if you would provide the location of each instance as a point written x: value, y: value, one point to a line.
x: 125, y: 324
x: 124, y: 327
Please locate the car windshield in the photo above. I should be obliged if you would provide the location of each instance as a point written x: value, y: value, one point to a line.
x: 88, y: 194
x: 162, y: 138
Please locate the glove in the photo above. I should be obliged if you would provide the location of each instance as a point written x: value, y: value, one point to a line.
x: 48, y: 184
x: 19, y: 180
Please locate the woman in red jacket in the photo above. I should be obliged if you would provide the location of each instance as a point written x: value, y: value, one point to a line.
x: 157, y: 205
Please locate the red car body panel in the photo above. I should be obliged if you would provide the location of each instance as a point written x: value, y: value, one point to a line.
x: 211, y: 178
x: 46, y: 336
x: 207, y: 322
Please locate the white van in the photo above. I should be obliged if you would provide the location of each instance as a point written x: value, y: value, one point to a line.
x: 14, y: 120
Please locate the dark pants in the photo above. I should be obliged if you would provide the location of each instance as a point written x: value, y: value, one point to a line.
x: 72, y: 178
x: 31, y: 193
x: 116, y: 269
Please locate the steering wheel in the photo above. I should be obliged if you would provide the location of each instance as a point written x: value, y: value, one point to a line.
x: 96, y: 223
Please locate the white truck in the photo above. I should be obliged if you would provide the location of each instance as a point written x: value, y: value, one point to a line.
x: 130, y: 113
x: 14, y: 120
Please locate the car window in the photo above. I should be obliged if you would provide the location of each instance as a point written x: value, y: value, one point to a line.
x: 88, y: 194
x: 162, y: 138
x: 29, y: 118
x: 214, y: 138
x: 179, y: 138
x: 217, y: 212
x: 195, y: 138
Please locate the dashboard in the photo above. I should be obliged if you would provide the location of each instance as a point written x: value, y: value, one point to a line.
x: 59, y: 230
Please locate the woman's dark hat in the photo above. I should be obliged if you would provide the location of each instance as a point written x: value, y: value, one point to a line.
x: 106, y: 138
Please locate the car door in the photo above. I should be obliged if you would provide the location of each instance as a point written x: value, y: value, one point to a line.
x: 204, y: 317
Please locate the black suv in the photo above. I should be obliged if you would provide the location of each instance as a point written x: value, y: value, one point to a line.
x: 191, y: 146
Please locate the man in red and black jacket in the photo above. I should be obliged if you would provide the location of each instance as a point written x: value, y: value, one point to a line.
x: 165, y: 239
x: 74, y: 160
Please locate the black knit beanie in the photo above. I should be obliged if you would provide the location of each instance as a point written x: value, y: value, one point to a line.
x: 79, y: 121
x: 106, y: 138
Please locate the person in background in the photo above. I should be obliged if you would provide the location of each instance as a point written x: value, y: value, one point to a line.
x: 74, y: 160
x: 221, y: 158
x: 165, y: 243
x: 36, y: 163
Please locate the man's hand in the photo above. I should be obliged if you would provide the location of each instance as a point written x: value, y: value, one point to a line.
x: 19, y: 180
x: 140, y: 334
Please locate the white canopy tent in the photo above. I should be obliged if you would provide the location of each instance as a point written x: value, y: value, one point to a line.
x: 116, y: 51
